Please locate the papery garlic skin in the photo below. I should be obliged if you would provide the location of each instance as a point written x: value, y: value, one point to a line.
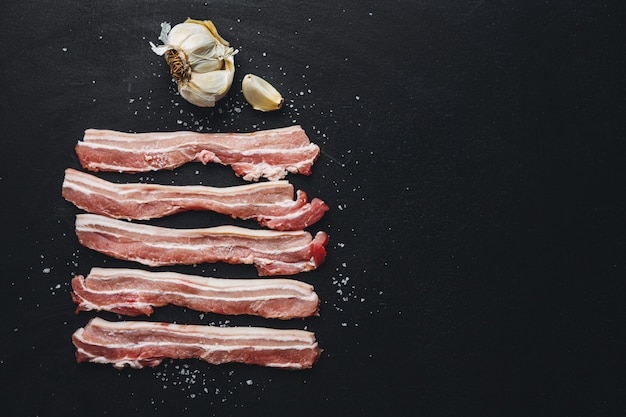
x: 260, y: 94
x: 200, y: 60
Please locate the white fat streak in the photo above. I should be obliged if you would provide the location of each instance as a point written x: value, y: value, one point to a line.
x: 90, y: 184
x: 265, y: 150
x: 101, y: 166
x: 230, y: 297
x: 88, y: 305
x: 94, y: 135
x: 226, y: 294
x: 212, y: 347
x: 202, y: 283
x: 195, y: 247
x: 224, y: 333
x: 269, y: 151
x: 95, y: 223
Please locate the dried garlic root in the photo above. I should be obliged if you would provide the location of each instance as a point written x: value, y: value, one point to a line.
x: 200, y: 60
x: 260, y: 94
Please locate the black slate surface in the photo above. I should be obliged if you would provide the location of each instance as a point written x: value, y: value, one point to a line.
x: 472, y: 157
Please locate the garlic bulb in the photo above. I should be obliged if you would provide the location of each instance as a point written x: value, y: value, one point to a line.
x: 260, y: 94
x: 200, y: 60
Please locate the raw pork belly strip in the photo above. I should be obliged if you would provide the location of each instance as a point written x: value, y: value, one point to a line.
x: 267, y: 153
x: 138, y: 344
x: 133, y: 292
x: 271, y: 203
x: 272, y: 252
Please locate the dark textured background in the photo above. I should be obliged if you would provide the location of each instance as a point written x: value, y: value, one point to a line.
x: 473, y: 160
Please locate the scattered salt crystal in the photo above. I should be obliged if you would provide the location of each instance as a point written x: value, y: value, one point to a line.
x: 249, y: 382
x: 46, y: 270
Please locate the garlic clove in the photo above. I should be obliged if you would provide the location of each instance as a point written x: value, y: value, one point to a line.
x: 199, y: 44
x: 179, y: 34
x: 260, y: 94
x: 208, y: 25
x: 206, y: 64
x: 204, y: 89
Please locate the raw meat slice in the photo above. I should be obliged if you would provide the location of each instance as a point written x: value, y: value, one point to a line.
x: 139, y: 344
x: 134, y: 292
x: 270, y: 203
x: 272, y: 252
x: 267, y: 153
